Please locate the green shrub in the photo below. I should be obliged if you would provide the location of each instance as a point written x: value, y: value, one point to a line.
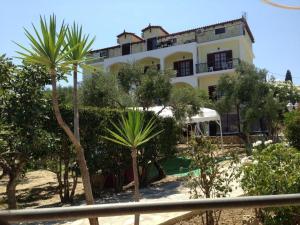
x: 275, y: 170
x: 292, y: 128
x: 109, y: 158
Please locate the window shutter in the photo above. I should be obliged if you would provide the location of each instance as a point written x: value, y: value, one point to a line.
x: 176, y: 67
x: 210, y: 60
x: 191, y: 67
x: 229, y: 56
x: 158, y: 66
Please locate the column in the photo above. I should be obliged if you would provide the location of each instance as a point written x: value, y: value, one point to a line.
x: 195, y: 60
x: 162, y: 64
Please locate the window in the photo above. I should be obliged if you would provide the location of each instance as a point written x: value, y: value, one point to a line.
x: 230, y: 122
x: 146, y: 68
x: 212, y: 92
x: 151, y: 43
x: 157, y: 66
x: 184, y: 68
x: 219, y: 61
x: 126, y: 49
x: 220, y: 30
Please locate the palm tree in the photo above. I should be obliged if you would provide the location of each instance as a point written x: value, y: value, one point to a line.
x: 78, y: 46
x: 48, y: 49
x: 132, y: 132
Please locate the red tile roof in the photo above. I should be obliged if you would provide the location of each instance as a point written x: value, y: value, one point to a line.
x: 152, y: 26
x: 214, y: 25
x: 133, y: 34
x: 243, y: 20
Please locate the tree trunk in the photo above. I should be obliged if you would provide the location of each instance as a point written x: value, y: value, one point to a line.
x: 136, y: 195
x: 160, y: 170
x: 11, y: 191
x: 79, y: 150
x: 75, y: 103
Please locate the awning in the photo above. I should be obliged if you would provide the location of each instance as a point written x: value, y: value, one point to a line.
x: 204, y: 114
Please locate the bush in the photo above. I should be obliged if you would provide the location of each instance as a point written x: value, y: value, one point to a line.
x: 292, y: 128
x: 214, y: 180
x: 104, y: 157
x: 275, y: 170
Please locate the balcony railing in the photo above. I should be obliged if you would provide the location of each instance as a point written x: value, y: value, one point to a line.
x: 77, y: 212
x: 204, y: 67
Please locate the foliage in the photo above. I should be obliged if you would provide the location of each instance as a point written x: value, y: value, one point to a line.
x: 77, y: 44
x: 288, y: 76
x: 132, y: 131
x: 275, y: 170
x: 214, y: 179
x: 129, y: 76
x: 292, y: 128
x: 109, y: 158
x: 154, y: 88
x: 285, y: 92
x: 186, y: 101
x: 48, y: 49
x: 148, y: 88
x: 64, y: 94
x: 101, y: 90
x: 248, y: 91
x: 23, y: 110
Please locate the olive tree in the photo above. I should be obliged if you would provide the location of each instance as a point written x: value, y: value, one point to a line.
x: 23, y: 109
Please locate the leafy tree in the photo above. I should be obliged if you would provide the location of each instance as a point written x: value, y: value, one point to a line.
x: 129, y: 77
x: 288, y: 76
x: 65, y: 95
x: 132, y: 131
x: 148, y: 88
x: 154, y: 88
x: 292, y: 128
x: 187, y: 101
x: 274, y: 170
x: 247, y: 91
x: 49, y: 49
x: 284, y: 91
x: 214, y: 180
x: 101, y: 90
x: 22, y: 114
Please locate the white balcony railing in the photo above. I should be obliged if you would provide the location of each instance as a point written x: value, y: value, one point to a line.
x: 77, y: 212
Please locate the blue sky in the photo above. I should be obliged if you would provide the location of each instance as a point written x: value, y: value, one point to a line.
x: 276, y: 31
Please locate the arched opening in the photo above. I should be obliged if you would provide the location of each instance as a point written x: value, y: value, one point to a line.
x: 115, y: 68
x: 182, y: 62
x: 149, y: 62
x: 182, y: 85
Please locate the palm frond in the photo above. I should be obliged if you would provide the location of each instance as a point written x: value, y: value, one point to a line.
x: 77, y: 43
x: 46, y: 44
x: 131, y: 130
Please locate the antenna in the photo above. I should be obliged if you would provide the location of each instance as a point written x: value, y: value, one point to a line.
x: 244, y: 15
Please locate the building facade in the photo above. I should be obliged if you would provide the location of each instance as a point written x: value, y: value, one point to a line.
x: 199, y: 56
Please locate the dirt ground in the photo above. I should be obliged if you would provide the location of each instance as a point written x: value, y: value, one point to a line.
x: 37, y: 189
x: 228, y: 217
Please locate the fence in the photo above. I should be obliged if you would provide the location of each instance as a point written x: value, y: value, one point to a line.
x: 77, y: 212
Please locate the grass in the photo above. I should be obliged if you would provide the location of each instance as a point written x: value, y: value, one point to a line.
x: 178, y: 166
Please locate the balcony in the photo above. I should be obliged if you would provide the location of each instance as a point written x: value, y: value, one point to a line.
x: 205, y: 68
x: 210, y: 34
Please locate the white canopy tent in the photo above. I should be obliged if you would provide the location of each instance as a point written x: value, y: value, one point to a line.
x: 204, y: 115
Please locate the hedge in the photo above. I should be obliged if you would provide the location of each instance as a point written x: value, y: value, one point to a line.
x: 109, y: 158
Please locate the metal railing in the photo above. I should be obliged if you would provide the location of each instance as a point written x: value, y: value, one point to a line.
x: 77, y: 212
x: 204, y: 67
